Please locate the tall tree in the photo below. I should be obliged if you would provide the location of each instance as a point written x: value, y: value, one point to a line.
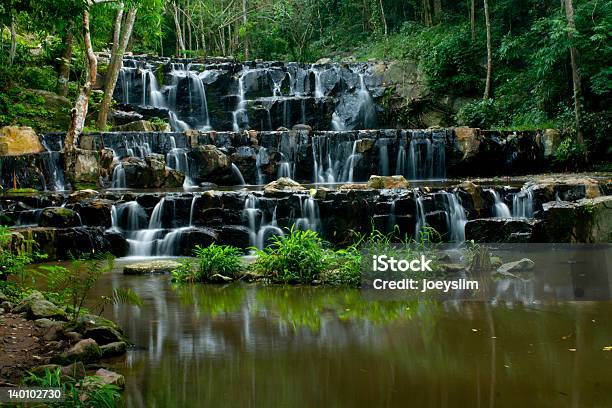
x: 121, y: 37
x: 246, y: 33
x: 487, y: 92
x: 576, y: 79
x: 79, y: 111
x: 65, y: 61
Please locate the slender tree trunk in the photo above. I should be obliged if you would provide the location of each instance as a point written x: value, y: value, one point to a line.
x: 487, y: 92
x: 246, y: 32
x: 384, y: 20
x: 79, y: 112
x: 473, y: 19
x: 113, y: 72
x: 437, y: 10
x: 569, y: 13
x: 13, y: 41
x: 64, y: 69
x: 179, y: 33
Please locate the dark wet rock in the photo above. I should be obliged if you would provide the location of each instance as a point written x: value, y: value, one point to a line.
x: 113, y: 349
x: 588, y: 220
x: 95, y: 212
x: 503, y: 230
x: 59, y: 217
x: 210, y: 164
x: 235, y: 235
x: 103, y: 334
x: 152, y: 267
x: 118, y: 117
x: 150, y: 172
x: 86, y: 350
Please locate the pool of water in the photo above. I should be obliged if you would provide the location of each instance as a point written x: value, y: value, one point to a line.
x: 276, y: 346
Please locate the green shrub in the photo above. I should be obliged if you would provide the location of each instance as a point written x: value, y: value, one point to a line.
x: 94, y: 395
x: 10, y: 263
x: 298, y: 257
x: 214, y: 259
x: 570, y: 154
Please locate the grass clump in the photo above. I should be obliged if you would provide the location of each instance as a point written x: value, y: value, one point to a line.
x: 88, y: 392
x: 212, y: 260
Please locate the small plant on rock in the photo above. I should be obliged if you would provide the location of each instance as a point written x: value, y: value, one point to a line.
x: 213, y: 260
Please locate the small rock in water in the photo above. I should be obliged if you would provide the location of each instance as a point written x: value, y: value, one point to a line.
x: 143, y: 268
x: 523, y: 265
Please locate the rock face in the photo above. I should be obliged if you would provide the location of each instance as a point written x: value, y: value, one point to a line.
x: 150, y: 172
x: 83, y: 166
x: 588, y: 220
x: 210, y: 164
x: 59, y: 217
x: 503, y: 230
x: 15, y: 141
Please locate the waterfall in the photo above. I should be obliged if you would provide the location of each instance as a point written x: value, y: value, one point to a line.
x: 522, y: 203
x: 421, y: 221
x: 177, y: 159
x: 119, y: 177
x: 238, y: 174
x: 367, y: 108
x: 391, y: 221
x: 456, y: 218
x: 156, y: 98
x: 200, y: 90
x: 500, y: 209
x: 310, y: 218
x: 351, y: 161
x: 319, y: 91
x: 383, y: 156
x: 192, y: 209
x: 51, y: 161
x: 259, y: 229
x: 239, y: 115
x: 176, y: 124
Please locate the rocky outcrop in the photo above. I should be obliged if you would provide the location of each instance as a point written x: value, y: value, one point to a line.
x: 503, y: 230
x: 210, y: 164
x: 17, y: 141
x: 59, y: 217
x: 283, y: 184
x: 150, y: 172
x: 587, y: 220
x: 143, y: 126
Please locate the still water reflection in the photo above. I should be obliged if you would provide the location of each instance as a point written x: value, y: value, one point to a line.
x: 257, y: 346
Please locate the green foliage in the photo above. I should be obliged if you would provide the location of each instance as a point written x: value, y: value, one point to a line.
x: 10, y: 262
x: 298, y: 257
x: 214, y: 259
x: 75, y: 283
x: 88, y: 392
x: 570, y: 154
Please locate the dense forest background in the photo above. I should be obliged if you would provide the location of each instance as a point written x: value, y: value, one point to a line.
x: 516, y: 64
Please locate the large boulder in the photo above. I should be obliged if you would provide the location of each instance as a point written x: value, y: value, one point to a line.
x: 144, y: 268
x: 36, y: 307
x: 19, y: 140
x: 59, y: 217
x: 467, y: 141
x: 83, y: 166
x: 587, y: 220
x: 150, y: 172
x: 388, y: 182
x: 283, y: 184
x: 95, y: 212
x: 208, y: 163
x: 86, y: 350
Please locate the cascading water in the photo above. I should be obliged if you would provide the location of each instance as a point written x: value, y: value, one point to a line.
x: 177, y: 159
x: 51, y: 161
x: 522, y: 203
x: 259, y: 230
x: 456, y: 217
x: 309, y: 219
x: 383, y: 155
x: 238, y: 174
x: 239, y: 115
x: 500, y: 209
x: 119, y: 177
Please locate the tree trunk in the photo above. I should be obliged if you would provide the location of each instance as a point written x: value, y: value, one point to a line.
x: 473, y: 19
x: 569, y: 13
x: 437, y: 10
x: 113, y: 72
x: 64, y: 69
x: 487, y: 92
x: 13, y: 41
x: 384, y: 19
x: 246, y: 31
x: 179, y: 33
x: 79, y: 112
